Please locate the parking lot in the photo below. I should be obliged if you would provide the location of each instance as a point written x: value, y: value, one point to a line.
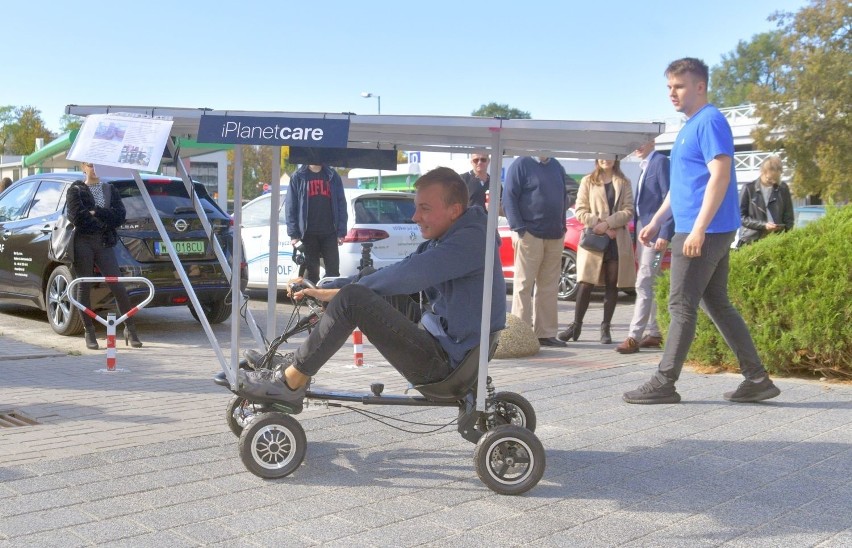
x: 144, y: 457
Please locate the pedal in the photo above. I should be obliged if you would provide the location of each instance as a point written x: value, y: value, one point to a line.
x: 377, y: 388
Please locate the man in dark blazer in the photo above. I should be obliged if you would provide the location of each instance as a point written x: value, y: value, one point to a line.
x: 477, y: 179
x: 650, y: 192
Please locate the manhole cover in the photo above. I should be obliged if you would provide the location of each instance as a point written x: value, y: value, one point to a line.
x: 10, y: 419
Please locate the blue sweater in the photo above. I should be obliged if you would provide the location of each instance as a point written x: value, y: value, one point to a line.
x: 296, y: 203
x: 450, y: 271
x: 534, y: 198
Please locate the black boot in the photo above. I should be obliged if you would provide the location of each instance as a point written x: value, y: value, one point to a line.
x: 131, y: 337
x: 572, y: 332
x: 606, y: 338
x: 91, y: 340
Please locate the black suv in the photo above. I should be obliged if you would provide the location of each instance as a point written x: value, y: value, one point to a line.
x: 31, y: 206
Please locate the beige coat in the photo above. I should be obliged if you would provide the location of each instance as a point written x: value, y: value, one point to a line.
x: 590, y: 209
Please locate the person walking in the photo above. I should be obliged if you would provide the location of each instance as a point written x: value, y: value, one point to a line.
x: 703, y: 201
x: 766, y: 206
x: 534, y: 203
x: 317, y: 217
x: 96, y: 211
x: 477, y: 179
x: 651, y: 190
x: 604, y: 204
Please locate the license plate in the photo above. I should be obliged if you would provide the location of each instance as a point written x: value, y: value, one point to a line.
x: 183, y: 247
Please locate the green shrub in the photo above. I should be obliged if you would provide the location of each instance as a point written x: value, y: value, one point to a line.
x: 794, y: 291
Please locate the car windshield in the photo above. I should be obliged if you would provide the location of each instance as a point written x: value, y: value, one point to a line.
x: 169, y: 197
x: 384, y: 210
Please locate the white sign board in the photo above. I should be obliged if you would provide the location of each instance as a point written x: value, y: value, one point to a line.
x: 119, y: 139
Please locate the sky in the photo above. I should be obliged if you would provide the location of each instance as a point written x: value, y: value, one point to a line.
x: 566, y: 60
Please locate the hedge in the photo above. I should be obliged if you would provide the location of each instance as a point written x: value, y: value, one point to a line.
x: 794, y: 291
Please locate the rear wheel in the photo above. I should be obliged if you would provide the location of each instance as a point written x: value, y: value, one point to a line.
x: 64, y: 317
x: 567, y: 290
x: 216, y: 311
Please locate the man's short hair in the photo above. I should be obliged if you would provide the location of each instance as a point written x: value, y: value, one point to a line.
x: 689, y: 65
x: 455, y: 191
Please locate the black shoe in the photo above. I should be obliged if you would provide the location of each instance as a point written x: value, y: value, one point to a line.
x: 131, y: 337
x: 653, y: 392
x: 606, y: 338
x: 259, y: 360
x: 749, y: 391
x: 222, y: 380
x: 572, y: 332
x: 91, y: 339
x: 269, y: 386
x: 551, y: 341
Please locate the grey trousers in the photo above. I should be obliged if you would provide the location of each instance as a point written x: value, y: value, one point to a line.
x: 704, y: 281
x: 645, y: 307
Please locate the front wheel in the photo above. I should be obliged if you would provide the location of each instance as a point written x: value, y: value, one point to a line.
x: 509, y: 459
x: 64, y: 317
x: 512, y: 408
x: 567, y: 290
x: 239, y: 413
x: 273, y: 445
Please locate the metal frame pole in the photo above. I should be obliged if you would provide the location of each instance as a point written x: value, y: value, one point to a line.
x: 490, y: 248
x: 235, y: 260
x: 217, y: 248
x: 275, y: 205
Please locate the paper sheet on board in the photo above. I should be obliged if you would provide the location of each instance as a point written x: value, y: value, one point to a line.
x: 119, y: 139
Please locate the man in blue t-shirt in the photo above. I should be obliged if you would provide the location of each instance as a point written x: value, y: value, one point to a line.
x: 703, y: 201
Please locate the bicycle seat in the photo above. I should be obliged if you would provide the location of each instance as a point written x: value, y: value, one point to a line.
x: 462, y: 379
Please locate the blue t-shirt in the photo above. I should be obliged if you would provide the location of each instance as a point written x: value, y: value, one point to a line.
x: 705, y: 135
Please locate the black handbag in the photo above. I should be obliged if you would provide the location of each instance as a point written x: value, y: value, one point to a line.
x: 61, y: 247
x: 593, y: 242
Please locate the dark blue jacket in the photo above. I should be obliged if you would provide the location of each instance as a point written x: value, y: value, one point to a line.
x: 655, y: 187
x: 534, y: 198
x: 450, y: 271
x: 296, y: 203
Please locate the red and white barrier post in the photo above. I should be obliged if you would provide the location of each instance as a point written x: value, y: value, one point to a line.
x: 111, y: 321
x: 358, y: 347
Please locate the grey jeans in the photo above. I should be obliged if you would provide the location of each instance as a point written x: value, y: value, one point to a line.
x: 703, y: 281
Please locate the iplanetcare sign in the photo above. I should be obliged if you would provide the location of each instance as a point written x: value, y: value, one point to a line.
x: 254, y: 130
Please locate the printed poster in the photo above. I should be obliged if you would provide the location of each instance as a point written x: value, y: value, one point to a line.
x: 124, y: 140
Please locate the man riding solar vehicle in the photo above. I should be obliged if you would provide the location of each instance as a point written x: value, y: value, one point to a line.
x: 438, y: 355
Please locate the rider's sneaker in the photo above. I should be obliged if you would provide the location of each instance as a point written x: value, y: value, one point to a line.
x: 222, y: 380
x: 749, y: 391
x: 258, y: 360
x: 269, y: 386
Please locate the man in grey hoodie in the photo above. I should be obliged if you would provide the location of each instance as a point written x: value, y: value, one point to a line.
x: 447, y: 269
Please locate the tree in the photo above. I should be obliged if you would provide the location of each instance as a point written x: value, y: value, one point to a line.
x: 20, y: 135
x: 494, y: 110
x: 808, y: 112
x: 7, y: 118
x: 257, y: 169
x: 70, y: 122
x: 734, y: 80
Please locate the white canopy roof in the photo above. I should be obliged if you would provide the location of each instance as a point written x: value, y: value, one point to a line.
x: 555, y: 138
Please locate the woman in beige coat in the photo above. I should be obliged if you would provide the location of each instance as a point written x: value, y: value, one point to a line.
x: 604, y: 204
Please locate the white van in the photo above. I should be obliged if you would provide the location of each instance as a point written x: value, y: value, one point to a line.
x: 381, y: 217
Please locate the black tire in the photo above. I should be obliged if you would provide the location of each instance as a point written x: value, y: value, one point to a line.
x: 64, y: 317
x: 216, y: 311
x: 509, y: 459
x: 512, y: 408
x: 273, y: 445
x: 239, y: 413
x: 567, y: 290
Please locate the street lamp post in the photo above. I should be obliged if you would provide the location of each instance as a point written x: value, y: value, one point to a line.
x: 368, y: 95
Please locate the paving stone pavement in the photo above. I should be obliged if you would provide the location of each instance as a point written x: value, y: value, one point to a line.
x: 143, y: 457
